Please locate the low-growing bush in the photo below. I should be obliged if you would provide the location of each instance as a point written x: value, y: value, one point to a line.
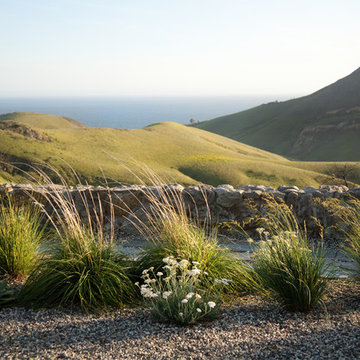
x: 21, y: 232
x: 173, y: 294
x: 292, y: 270
x: 172, y: 231
x: 187, y: 241
x: 82, y: 267
x: 82, y: 273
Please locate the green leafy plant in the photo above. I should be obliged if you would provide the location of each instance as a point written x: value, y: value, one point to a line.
x: 82, y: 267
x: 80, y: 272
x: 173, y: 231
x: 21, y: 232
x: 292, y: 271
x: 173, y: 294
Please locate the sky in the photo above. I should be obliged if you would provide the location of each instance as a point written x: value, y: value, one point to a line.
x: 175, y: 47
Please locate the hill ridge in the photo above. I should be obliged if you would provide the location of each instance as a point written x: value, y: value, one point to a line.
x: 279, y: 127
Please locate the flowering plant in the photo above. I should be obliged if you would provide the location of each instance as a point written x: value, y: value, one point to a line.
x: 174, y: 294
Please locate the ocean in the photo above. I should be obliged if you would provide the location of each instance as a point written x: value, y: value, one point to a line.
x: 135, y: 112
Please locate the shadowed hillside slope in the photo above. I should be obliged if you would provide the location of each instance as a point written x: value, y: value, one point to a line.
x: 322, y: 126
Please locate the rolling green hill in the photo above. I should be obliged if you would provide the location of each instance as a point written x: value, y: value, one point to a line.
x: 323, y: 126
x: 176, y: 152
x: 41, y: 121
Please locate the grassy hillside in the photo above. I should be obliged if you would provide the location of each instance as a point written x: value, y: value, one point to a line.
x: 176, y: 152
x: 41, y: 121
x: 324, y: 126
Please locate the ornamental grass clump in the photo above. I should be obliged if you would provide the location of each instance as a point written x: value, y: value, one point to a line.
x: 349, y: 215
x: 293, y: 272
x: 21, y: 232
x: 173, y: 294
x: 82, y: 267
x: 172, y: 230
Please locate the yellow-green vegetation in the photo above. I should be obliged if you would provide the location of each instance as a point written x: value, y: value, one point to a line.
x: 323, y: 126
x: 348, y: 215
x: 288, y: 266
x: 173, y: 233
x: 21, y: 233
x: 174, y: 296
x: 175, y: 152
x: 83, y: 267
x: 41, y: 121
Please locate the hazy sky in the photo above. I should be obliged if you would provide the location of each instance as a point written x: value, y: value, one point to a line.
x: 175, y: 47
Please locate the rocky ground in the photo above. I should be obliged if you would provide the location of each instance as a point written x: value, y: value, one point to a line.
x: 249, y: 328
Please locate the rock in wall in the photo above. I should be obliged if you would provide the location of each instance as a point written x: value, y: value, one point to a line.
x: 224, y: 203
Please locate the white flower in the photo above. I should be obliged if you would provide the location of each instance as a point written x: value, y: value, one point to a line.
x: 196, y: 263
x: 211, y: 304
x: 184, y: 301
x: 159, y: 273
x: 181, y: 314
x: 190, y: 295
x: 166, y: 260
x: 166, y: 294
x: 147, y: 292
x: 250, y: 240
x: 198, y: 310
x: 145, y: 271
x: 223, y: 281
x: 198, y: 296
x: 260, y: 230
x: 194, y: 271
x: 137, y: 283
x: 183, y: 264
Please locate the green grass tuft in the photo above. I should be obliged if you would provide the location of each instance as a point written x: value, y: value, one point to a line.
x: 288, y: 267
x: 21, y: 232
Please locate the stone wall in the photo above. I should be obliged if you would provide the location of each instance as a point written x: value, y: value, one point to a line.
x: 226, y: 203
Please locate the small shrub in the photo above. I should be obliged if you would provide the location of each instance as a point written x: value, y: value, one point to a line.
x: 187, y: 241
x: 21, y: 232
x: 7, y: 296
x: 82, y: 267
x: 87, y: 273
x: 287, y: 266
x: 171, y: 231
x: 174, y: 295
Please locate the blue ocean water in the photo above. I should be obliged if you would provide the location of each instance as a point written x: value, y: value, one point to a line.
x: 135, y: 112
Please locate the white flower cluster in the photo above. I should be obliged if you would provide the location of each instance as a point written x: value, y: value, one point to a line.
x: 223, y: 281
x: 147, y: 292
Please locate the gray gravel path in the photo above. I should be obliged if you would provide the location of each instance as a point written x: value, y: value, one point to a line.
x: 249, y: 328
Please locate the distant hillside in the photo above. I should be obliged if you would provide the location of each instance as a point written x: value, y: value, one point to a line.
x: 176, y: 152
x: 322, y: 126
x: 41, y: 121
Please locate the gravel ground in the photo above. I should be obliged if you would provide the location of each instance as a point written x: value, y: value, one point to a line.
x: 249, y: 328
